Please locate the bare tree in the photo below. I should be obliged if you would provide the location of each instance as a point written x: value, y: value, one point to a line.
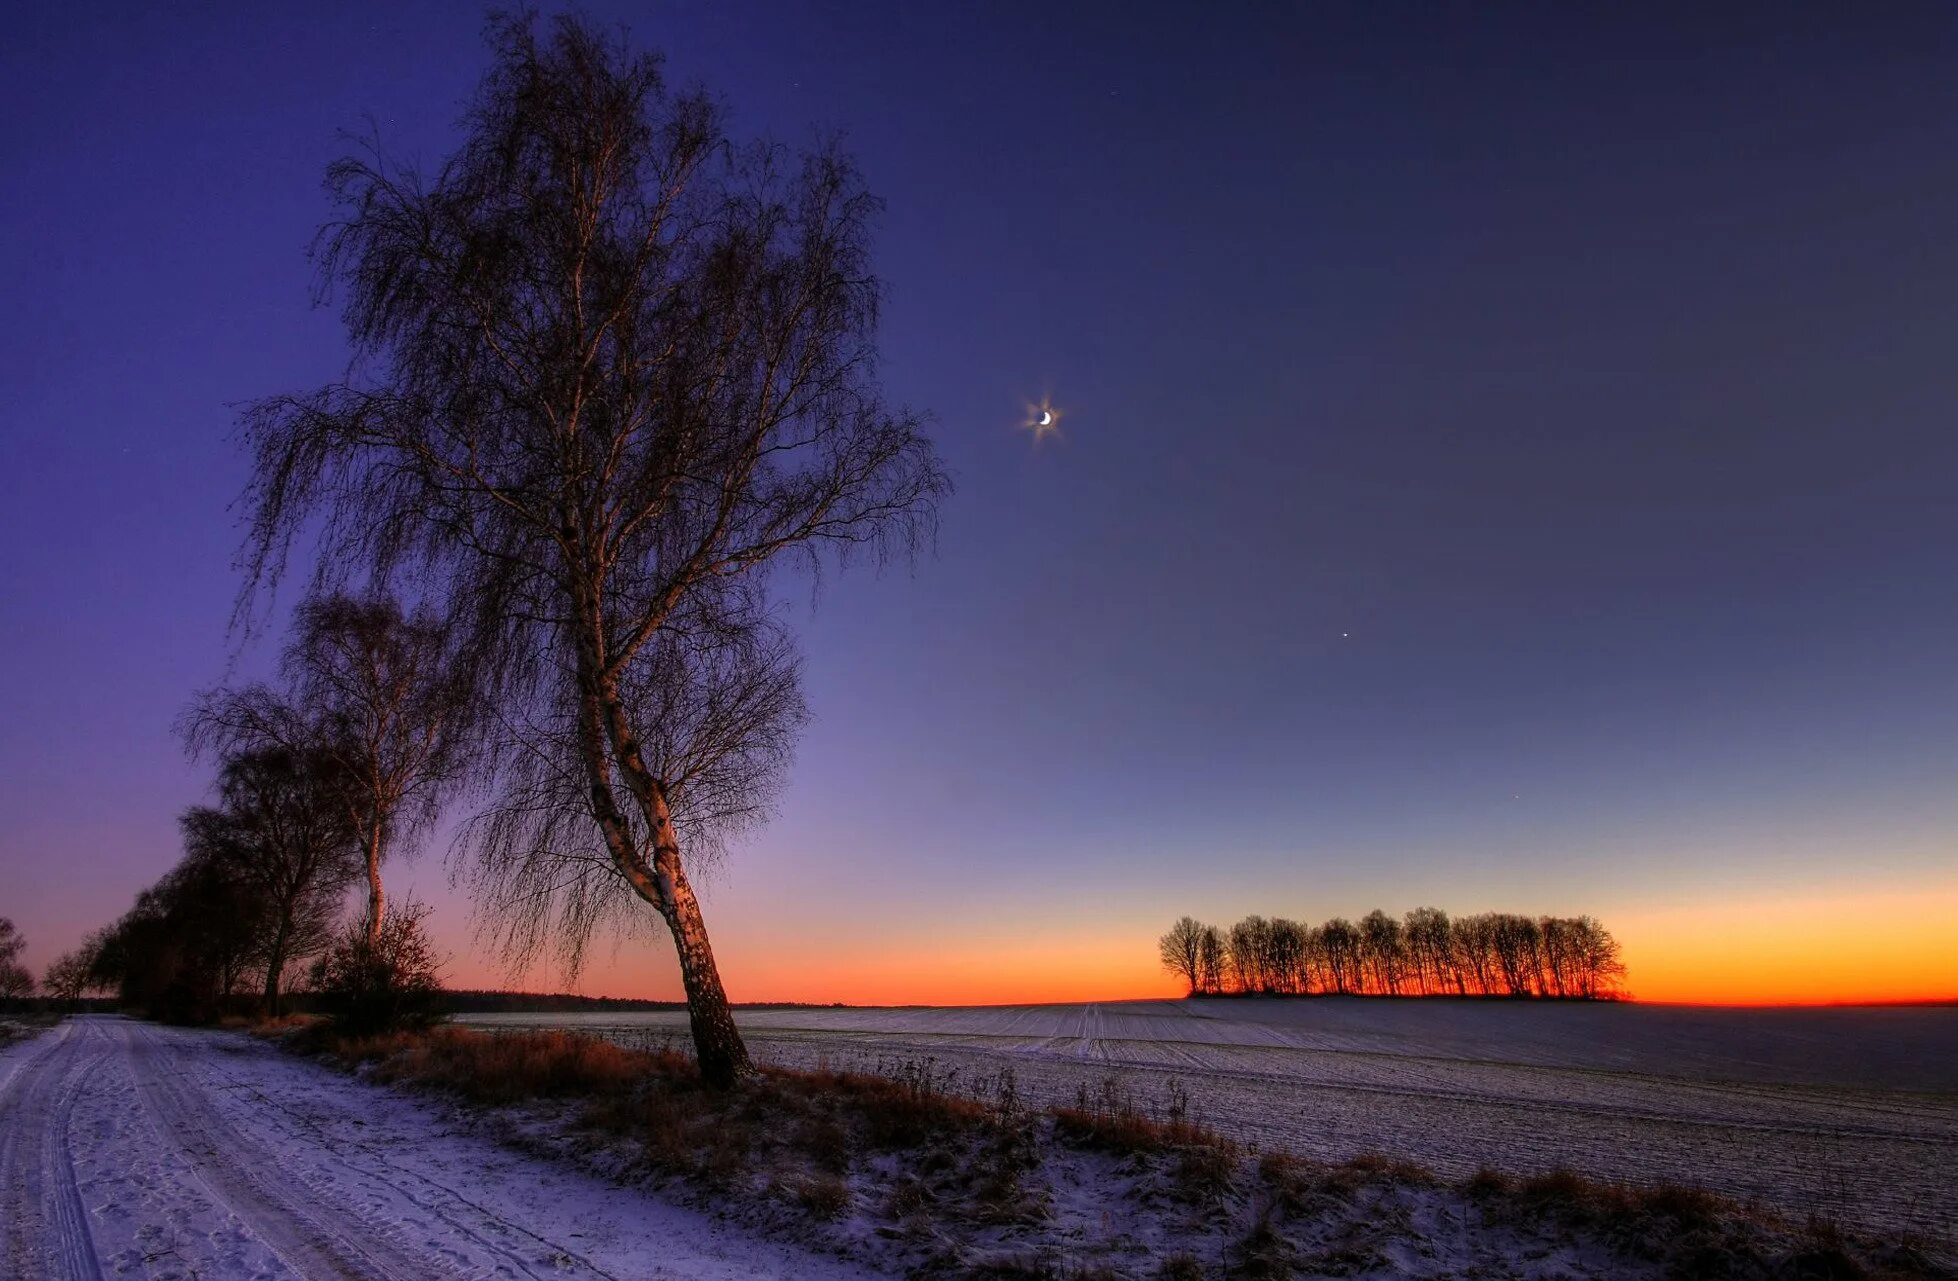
x: 1210, y: 964
x: 186, y: 945
x: 1385, y: 951
x: 1475, y: 946
x: 1314, y: 974
x: 373, y: 688
x: 69, y: 976
x: 16, y: 982
x: 1491, y: 954
x: 1425, y: 932
x: 618, y: 368
x: 393, y: 705
x: 1245, y: 942
x: 1340, y: 942
x: 1601, y: 965
x: 1285, y: 954
x: 281, y: 826
x: 1181, y: 950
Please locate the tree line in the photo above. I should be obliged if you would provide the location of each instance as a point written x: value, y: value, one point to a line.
x: 613, y: 371
x: 1425, y: 953
x: 321, y: 776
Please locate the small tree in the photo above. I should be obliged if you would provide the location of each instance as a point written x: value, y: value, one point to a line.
x: 1181, y: 950
x: 1426, y: 933
x: 16, y: 983
x: 281, y: 825
x: 369, y: 985
x: 1210, y: 967
x: 1601, y: 962
x: 1384, y: 949
x: 69, y: 976
x: 1340, y: 943
x: 376, y: 690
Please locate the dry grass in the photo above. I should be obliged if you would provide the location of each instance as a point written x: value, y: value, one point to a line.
x: 1667, y: 1206
x: 262, y: 1025
x: 1110, y: 1117
x: 943, y: 1167
x: 515, y: 1066
x: 801, y: 1132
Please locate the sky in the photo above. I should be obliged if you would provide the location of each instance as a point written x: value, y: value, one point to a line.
x: 1506, y: 464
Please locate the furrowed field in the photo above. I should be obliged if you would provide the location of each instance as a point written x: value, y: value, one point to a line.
x: 1851, y: 1114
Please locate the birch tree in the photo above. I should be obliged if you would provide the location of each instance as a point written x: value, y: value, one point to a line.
x: 378, y: 692
x: 392, y: 703
x: 612, y: 369
x: 1181, y: 951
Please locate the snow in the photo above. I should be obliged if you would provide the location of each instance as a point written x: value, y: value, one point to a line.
x: 1851, y: 1114
x: 128, y: 1149
x: 131, y: 1150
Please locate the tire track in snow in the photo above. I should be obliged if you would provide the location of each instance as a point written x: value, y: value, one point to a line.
x: 46, y: 1225
x: 207, y: 1155
x: 293, y: 1221
x: 298, y: 1124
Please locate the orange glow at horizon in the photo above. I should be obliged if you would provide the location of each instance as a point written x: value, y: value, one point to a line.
x: 1872, y: 946
x: 1819, y: 948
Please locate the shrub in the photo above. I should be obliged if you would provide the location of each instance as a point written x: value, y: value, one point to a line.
x: 373, y: 988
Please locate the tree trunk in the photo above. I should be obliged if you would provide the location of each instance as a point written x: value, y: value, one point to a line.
x: 274, y: 964
x: 376, y: 897
x: 717, y: 1043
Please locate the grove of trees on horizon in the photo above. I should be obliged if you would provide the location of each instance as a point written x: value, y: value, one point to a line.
x: 1425, y: 953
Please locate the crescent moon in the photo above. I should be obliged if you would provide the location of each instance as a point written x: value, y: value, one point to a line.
x: 1046, y: 418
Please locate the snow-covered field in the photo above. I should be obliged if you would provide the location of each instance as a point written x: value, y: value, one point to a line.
x: 131, y: 1150
x: 1847, y: 1113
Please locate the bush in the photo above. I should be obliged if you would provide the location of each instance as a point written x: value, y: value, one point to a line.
x: 371, y: 989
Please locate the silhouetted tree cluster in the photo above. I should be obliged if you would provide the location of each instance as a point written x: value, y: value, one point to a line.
x: 259, y: 888
x: 16, y: 983
x: 315, y: 779
x: 1425, y: 953
x: 70, y: 977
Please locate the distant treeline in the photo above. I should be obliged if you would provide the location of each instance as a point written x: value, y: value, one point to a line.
x: 497, y: 1002
x: 1425, y: 953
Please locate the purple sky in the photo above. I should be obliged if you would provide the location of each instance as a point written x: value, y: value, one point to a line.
x: 1508, y: 458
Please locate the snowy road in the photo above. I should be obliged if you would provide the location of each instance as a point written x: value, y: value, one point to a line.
x: 129, y: 1150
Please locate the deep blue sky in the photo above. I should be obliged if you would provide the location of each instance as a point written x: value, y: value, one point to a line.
x: 1508, y: 457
